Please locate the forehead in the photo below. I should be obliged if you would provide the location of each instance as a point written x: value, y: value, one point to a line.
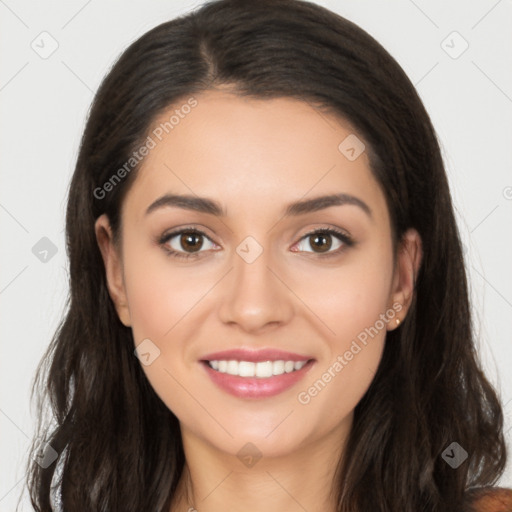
x: 241, y: 150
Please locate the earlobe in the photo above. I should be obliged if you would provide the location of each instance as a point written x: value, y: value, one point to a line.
x: 113, y: 268
x: 408, y: 263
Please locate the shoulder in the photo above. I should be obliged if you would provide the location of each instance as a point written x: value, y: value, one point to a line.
x: 488, y: 499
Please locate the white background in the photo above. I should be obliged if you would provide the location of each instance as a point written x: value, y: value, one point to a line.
x: 43, y: 107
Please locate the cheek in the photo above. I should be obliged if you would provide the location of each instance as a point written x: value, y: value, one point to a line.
x: 163, y: 299
x: 352, y: 303
x: 350, y: 296
x: 160, y: 294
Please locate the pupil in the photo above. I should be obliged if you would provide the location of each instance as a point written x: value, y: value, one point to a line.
x: 317, y: 242
x: 191, y: 240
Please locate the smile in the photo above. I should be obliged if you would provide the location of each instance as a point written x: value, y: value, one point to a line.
x: 254, y: 374
x: 261, y: 370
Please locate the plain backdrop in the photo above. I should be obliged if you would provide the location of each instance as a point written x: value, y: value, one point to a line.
x: 457, y: 53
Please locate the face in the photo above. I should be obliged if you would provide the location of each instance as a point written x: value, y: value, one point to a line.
x: 262, y: 310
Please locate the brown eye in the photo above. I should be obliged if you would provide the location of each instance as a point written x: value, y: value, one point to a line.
x: 191, y: 241
x: 326, y: 241
x: 320, y: 241
x: 186, y: 242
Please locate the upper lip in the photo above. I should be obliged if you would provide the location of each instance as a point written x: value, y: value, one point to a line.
x: 266, y: 354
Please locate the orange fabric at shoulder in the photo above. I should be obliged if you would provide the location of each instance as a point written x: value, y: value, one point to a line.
x: 490, y: 499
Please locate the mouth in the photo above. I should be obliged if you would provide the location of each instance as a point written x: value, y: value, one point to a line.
x: 256, y: 374
x: 261, y: 370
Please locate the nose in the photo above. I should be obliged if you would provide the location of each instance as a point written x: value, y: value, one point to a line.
x: 255, y: 297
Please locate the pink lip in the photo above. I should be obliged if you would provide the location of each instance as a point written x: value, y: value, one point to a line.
x: 255, y: 387
x: 255, y: 356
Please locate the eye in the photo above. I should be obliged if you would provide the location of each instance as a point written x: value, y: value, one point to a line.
x: 325, y: 241
x: 185, y: 243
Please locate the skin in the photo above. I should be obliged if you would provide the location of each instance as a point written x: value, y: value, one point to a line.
x: 255, y: 157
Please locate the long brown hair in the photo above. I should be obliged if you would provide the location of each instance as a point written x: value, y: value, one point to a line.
x: 119, y: 446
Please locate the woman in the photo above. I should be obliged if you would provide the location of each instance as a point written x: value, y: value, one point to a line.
x: 269, y: 306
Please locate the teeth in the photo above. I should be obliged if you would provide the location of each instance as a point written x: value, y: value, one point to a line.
x: 277, y: 367
x: 289, y: 366
x: 232, y: 368
x: 262, y: 370
x: 246, y: 369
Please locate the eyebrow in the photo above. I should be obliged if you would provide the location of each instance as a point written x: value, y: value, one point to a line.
x: 205, y: 205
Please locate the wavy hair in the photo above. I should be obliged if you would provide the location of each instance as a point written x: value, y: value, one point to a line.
x: 118, y: 445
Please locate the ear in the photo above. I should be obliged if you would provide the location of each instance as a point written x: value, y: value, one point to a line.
x: 408, y: 262
x: 113, y: 268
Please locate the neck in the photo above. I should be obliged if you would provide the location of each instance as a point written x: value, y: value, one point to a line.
x: 298, y: 481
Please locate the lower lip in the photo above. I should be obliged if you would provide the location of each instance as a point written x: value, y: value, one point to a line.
x: 254, y: 387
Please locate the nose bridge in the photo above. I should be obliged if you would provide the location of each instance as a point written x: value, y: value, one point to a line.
x: 254, y: 296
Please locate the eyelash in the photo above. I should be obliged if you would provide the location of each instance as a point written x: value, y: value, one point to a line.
x: 343, y: 237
